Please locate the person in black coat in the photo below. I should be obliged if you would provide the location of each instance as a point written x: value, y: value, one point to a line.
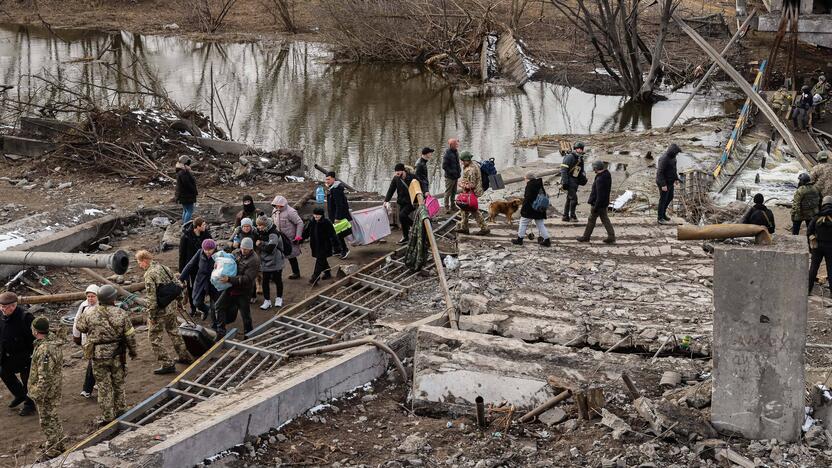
x: 534, y: 188
x: 599, y: 199
x: 422, y: 170
x: 16, y: 347
x: 666, y: 177
x: 399, y: 186
x: 186, y: 191
x: 321, y: 236
x: 193, y: 233
x: 819, y: 233
x: 338, y: 208
x: 452, y: 171
x: 759, y: 214
x: 199, y: 267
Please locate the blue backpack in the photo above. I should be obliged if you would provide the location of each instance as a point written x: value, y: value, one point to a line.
x: 487, y: 168
x: 541, y: 202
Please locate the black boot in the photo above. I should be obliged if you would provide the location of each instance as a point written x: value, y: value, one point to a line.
x: 517, y: 241
x: 547, y: 242
x: 165, y: 370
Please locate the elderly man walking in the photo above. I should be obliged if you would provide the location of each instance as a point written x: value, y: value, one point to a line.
x: 471, y: 181
x: 16, y: 346
x: 452, y: 172
x: 161, y: 321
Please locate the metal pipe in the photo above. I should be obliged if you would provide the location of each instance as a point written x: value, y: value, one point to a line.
x: 724, y: 231
x: 117, y: 261
x: 545, y: 406
x: 480, y: 412
x: 353, y: 344
x: 68, y: 297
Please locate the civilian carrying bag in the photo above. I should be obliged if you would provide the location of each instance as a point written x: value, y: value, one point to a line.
x: 432, y: 204
x: 541, y: 202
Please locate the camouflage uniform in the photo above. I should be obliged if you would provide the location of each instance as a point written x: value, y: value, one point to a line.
x: 45, y: 390
x: 162, y: 322
x: 472, y: 180
x: 780, y: 101
x: 822, y: 177
x: 109, y: 332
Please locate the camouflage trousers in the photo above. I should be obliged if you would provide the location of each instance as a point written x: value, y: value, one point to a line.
x: 157, y: 328
x: 109, y: 375
x: 477, y: 217
x: 51, y: 426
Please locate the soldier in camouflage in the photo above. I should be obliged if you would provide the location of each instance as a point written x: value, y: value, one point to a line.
x: 110, y: 336
x: 45, y: 385
x: 822, y: 173
x: 471, y: 181
x: 161, y: 322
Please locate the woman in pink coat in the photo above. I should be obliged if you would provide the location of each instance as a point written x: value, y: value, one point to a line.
x: 289, y: 223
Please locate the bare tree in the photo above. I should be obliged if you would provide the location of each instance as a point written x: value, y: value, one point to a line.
x: 612, y: 27
x: 209, y: 14
x: 282, y: 12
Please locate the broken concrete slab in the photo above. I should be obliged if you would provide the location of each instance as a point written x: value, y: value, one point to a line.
x: 25, y: 146
x: 452, y: 368
x: 760, y: 339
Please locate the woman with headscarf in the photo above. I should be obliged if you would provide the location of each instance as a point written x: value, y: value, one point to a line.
x: 288, y: 222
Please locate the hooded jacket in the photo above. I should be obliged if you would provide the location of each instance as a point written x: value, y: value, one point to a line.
x: 186, y: 191
x: 288, y: 221
x: 666, y: 174
x: 337, y: 206
x: 760, y: 215
x: 271, y: 253
x: 533, y: 187
x: 190, y: 243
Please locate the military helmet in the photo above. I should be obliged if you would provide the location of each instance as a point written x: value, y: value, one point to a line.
x: 107, y: 294
x: 41, y: 324
x: 822, y: 156
x: 578, y: 145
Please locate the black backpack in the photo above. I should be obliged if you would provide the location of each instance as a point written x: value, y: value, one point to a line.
x: 167, y: 292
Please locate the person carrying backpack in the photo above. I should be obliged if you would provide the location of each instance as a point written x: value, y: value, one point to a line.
x: 759, y: 214
x: 271, y: 261
x: 572, y: 176
x: 599, y: 199
x: 535, y: 203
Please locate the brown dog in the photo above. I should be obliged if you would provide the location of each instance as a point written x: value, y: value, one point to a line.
x: 506, y: 207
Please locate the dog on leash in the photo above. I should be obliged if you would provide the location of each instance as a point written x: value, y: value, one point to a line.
x: 505, y: 207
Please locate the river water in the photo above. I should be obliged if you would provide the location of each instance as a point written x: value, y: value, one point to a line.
x: 359, y: 119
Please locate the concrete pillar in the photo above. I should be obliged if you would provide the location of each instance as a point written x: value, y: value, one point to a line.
x: 760, y: 308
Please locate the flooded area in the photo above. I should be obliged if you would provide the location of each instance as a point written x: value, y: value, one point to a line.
x: 359, y: 119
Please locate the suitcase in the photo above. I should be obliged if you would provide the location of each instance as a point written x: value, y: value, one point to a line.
x: 198, y: 339
x: 495, y: 182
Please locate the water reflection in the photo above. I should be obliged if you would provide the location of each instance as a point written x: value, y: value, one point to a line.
x: 357, y: 118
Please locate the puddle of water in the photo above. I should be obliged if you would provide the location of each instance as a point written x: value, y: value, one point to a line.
x: 359, y: 119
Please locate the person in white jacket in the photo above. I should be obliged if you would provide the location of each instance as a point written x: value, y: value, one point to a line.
x: 80, y: 338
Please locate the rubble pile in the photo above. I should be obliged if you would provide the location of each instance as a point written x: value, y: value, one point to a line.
x: 146, y: 144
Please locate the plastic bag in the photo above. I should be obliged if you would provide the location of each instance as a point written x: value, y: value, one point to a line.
x: 224, y: 265
x: 451, y: 263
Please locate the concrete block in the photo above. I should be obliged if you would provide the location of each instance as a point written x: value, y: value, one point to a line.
x: 759, y: 339
x: 46, y: 128
x: 223, y: 146
x: 26, y: 146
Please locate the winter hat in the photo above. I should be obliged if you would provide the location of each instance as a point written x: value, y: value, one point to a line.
x: 247, y: 243
x: 759, y: 199
x: 40, y: 324
x: 398, y: 167
x: 209, y: 244
x: 466, y: 156
x: 318, y: 211
x: 7, y: 298
x: 246, y: 222
x: 265, y: 221
x: 91, y: 289
x: 248, y: 203
x: 427, y: 150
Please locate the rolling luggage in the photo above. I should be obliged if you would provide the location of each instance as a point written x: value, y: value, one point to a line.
x: 198, y: 339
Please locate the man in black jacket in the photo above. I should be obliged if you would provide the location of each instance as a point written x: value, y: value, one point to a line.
x: 666, y: 177
x: 452, y: 171
x: 399, y: 186
x: 16, y: 347
x: 338, y: 208
x: 186, y: 191
x: 820, y: 242
x: 759, y: 214
x: 422, y: 170
x: 571, y: 175
x: 193, y: 233
x: 599, y: 199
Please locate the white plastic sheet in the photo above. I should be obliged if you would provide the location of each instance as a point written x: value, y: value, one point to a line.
x: 369, y: 225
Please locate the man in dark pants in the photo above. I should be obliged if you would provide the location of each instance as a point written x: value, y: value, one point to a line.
x: 16, y: 347
x: 422, y: 170
x: 666, y: 177
x: 452, y: 171
x: 399, y: 186
x: 238, y: 296
x: 599, y: 199
x: 571, y: 175
x: 338, y: 208
x: 193, y: 233
x: 820, y: 242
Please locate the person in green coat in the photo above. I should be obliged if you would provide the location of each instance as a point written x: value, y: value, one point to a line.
x: 806, y: 202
